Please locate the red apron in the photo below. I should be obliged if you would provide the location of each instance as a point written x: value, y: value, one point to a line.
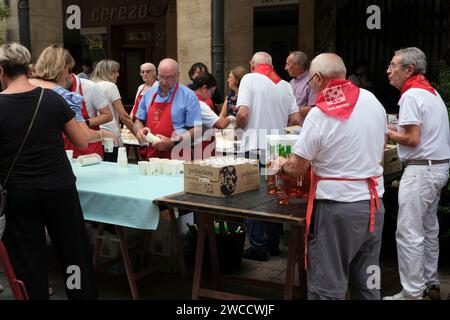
x: 159, y: 121
x: 142, y: 150
x: 94, y: 147
x: 206, y: 143
x: 338, y: 100
x: 374, y: 202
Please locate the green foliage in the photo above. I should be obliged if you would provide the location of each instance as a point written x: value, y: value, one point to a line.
x: 443, y: 213
x: 443, y: 83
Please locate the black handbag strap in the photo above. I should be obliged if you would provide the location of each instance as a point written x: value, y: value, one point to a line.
x: 24, y: 139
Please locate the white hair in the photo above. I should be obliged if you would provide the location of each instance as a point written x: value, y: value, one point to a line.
x: 300, y: 58
x: 150, y: 66
x: 262, y: 58
x: 413, y: 56
x: 329, y: 65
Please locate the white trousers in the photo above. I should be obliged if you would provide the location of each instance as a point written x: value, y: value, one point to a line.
x: 418, y: 226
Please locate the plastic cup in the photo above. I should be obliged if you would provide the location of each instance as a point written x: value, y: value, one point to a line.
x: 109, y: 145
x: 142, y: 165
x: 69, y: 154
x: 152, y: 168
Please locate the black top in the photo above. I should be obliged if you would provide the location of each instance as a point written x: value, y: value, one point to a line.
x: 43, y: 163
x: 231, y: 103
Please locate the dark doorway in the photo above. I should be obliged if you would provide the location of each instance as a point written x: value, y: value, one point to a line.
x: 276, y: 32
x: 131, y: 47
x: 131, y: 59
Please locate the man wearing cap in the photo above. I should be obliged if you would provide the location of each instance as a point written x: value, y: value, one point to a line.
x: 343, y: 140
x: 423, y: 138
x: 170, y: 111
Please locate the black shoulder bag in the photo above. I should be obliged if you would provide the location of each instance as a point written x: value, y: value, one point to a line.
x: 3, y: 192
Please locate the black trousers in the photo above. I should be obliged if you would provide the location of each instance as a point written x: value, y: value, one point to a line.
x: 27, y: 215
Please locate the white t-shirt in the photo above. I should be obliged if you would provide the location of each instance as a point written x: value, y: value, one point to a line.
x: 139, y: 90
x: 345, y: 149
x: 421, y: 107
x: 209, y: 119
x: 270, y: 106
x: 93, y: 97
x: 111, y: 93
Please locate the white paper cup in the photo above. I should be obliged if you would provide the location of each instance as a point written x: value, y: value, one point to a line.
x: 152, y: 168
x: 142, y: 165
x: 69, y: 154
x: 109, y: 145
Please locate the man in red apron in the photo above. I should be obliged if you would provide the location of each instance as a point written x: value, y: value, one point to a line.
x: 343, y: 140
x: 171, y: 111
x: 95, y: 111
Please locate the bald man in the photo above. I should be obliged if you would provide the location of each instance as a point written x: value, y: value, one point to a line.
x: 171, y: 111
x: 343, y: 140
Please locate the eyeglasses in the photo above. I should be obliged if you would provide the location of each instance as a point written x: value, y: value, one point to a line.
x: 309, y: 81
x: 145, y: 71
x: 168, y: 78
x: 393, y: 65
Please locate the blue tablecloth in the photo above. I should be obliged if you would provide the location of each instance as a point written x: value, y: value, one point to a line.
x: 120, y: 196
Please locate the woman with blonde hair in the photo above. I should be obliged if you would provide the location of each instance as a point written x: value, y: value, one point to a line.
x: 52, y: 70
x: 229, y: 107
x: 41, y: 188
x: 105, y: 75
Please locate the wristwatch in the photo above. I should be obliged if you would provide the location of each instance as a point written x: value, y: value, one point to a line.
x: 87, y: 122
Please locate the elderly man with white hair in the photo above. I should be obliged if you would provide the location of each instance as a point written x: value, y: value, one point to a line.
x: 148, y: 74
x: 297, y: 65
x: 423, y: 139
x: 266, y: 105
x: 343, y: 140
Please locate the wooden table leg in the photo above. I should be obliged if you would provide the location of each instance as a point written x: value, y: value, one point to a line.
x: 127, y: 263
x: 178, y: 245
x: 290, y: 267
x: 213, y: 253
x: 301, y: 263
x: 147, y: 236
x: 199, y: 256
x: 98, y: 245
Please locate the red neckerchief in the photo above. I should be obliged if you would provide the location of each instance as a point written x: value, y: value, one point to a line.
x: 417, y: 82
x: 338, y: 99
x: 268, y: 71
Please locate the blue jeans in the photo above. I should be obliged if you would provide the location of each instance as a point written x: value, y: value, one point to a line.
x: 263, y: 235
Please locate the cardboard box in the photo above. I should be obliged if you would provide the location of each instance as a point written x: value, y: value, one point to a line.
x: 221, y: 181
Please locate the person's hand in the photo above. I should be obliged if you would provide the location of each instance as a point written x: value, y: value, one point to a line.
x: 392, y: 127
x: 276, y: 165
x: 142, y: 133
x: 108, y: 134
x: 163, y: 145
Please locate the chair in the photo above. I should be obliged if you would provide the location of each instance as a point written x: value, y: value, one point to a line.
x: 17, y: 287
